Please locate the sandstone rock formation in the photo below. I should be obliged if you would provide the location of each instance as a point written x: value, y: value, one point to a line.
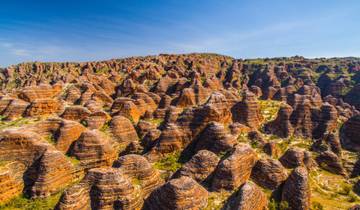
x: 350, y: 133
x: 235, y: 170
x: 123, y: 124
x: 269, y: 173
x: 281, y: 126
x: 249, y: 197
x: 247, y: 111
x: 93, y: 149
x: 296, y: 190
x: 180, y: 193
x: 123, y: 130
x: 199, y: 167
x: 139, y: 169
x: 102, y: 188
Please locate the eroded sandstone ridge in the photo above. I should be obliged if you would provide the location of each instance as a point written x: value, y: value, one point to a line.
x: 195, y: 131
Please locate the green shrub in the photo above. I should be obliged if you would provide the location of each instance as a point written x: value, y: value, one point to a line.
x: 169, y: 163
x: 105, y: 127
x: 21, y: 202
x: 50, y: 138
x: 274, y: 205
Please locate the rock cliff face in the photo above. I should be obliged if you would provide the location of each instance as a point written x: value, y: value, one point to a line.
x: 195, y: 131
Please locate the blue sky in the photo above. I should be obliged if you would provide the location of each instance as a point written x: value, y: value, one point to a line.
x: 82, y: 30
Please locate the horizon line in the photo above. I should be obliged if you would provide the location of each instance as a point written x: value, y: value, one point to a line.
x: 178, y: 54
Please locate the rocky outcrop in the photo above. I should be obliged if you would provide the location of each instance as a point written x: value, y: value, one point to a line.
x: 199, y: 167
x: 180, y: 193
x: 140, y: 170
x: 301, y: 119
x: 296, y: 190
x: 75, y: 197
x: 102, y: 188
x: 97, y: 120
x: 295, y: 157
x: 216, y: 139
x: 15, y: 109
x: 269, y: 173
x: 43, y: 107
x: 11, y: 182
x: 43, y: 91
x: 350, y: 132
x: 76, y: 113
x: 68, y: 132
x: 330, y: 162
x: 52, y: 173
x: 186, y: 98
x: 172, y: 139
x: 272, y: 149
x: 127, y: 108
x: 247, y: 111
x: 123, y: 130
x: 27, y: 145
x: 249, y: 197
x: 234, y: 170
x: 327, y: 121
x: 281, y: 126
x: 112, y: 117
x: 93, y: 149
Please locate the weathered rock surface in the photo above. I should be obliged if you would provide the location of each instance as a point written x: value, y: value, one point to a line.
x: 216, y: 139
x: 93, y: 149
x: 123, y: 130
x: 281, y: 126
x: 11, y: 182
x: 269, y: 173
x: 296, y: 190
x: 235, y: 170
x: 249, y: 197
x: 350, y: 134
x: 102, y: 188
x: 52, y: 171
x: 331, y: 162
x: 199, y: 167
x: 43, y: 107
x: 247, y: 111
x: 139, y: 169
x: 294, y: 157
x: 76, y: 113
x: 180, y: 193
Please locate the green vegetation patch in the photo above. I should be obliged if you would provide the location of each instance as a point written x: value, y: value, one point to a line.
x: 15, y: 123
x: 155, y: 121
x: 73, y: 160
x: 21, y: 202
x: 169, y: 163
x: 331, y: 191
x: 51, y: 139
x: 274, y: 205
x: 216, y: 200
x: 269, y: 109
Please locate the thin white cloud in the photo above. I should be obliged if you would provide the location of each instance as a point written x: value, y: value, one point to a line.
x: 21, y: 52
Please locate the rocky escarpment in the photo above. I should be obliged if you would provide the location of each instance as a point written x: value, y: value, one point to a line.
x: 195, y: 131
